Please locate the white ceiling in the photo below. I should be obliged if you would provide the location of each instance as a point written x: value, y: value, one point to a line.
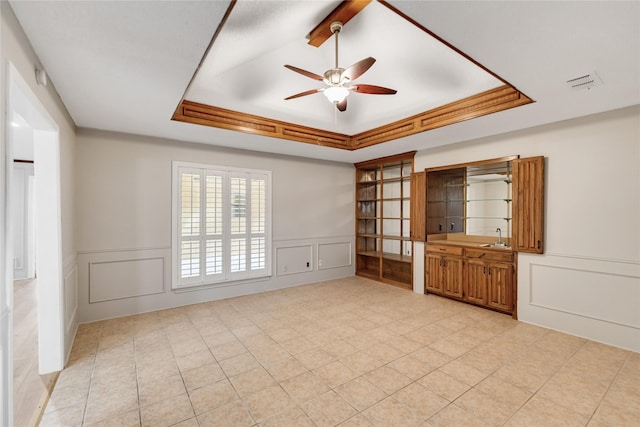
x: 124, y: 66
x: 244, y: 71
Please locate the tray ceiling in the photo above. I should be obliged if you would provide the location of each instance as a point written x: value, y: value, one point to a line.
x: 124, y: 66
x: 243, y: 73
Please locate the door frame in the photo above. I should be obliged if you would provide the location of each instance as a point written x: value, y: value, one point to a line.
x: 21, y: 99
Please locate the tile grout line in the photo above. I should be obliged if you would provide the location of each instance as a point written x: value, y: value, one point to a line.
x: 608, y: 388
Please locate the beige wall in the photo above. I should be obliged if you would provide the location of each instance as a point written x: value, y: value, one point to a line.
x: 124, y: 216
x: 588, y: 281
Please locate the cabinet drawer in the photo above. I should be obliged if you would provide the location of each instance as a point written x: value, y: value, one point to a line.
x: 488, y: 255
x: 444, y: 249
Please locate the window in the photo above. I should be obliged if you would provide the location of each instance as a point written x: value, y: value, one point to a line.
x: 221, y: 224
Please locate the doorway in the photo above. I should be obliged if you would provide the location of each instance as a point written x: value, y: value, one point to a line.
x: 23, y: 104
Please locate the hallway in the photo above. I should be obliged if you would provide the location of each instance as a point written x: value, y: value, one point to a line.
x: 30, y: 388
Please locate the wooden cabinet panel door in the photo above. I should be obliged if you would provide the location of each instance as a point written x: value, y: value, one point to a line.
x: 452, y: 280
x: 418, y: 206
x: 500, y: 283
x: 434, y: 270
x: 528, y: 204
x: 475, y: 282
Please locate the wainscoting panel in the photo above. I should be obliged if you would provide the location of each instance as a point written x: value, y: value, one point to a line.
x: 110, y: 280
x: 294, y: 259
x: 334, y: 255
x: 561, y: 288
x: 70, y: 301
x: 598, y: 299
x: 113, y: 283
x: 71, y: 298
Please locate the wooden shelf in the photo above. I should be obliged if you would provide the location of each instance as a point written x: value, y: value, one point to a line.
x: 375, y: 236
x: 392, y: 237
x: 381, y: 240
x: 397, y: 257
x: 398, y: 179
x: 386, y: 255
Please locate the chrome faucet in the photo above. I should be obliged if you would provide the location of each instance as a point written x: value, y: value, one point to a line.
x: 499, y: 243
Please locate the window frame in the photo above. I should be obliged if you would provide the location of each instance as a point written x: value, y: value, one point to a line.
x: 227, y: 276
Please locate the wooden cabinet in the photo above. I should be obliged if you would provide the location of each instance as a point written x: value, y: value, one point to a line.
x: 475, y: 281
x: 418, y: 206
x: 479, y: 276
x: 383, y: 222
x: 500, y: 286
x: 489, y: 278
x: 445, y: 275
x: 528, y: 204
x: 433, y: 273
x: 444, y: 270
x: 479, y: 215
x: 452, y: 281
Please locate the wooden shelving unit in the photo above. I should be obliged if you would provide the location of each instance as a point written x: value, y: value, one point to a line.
x: 383, y: 223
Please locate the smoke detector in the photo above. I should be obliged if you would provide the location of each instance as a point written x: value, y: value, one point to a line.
x: 586, y: 81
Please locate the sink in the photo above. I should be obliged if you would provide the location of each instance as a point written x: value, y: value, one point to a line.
x: 495, y: 245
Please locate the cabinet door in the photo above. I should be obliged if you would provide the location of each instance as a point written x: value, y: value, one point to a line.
x: 500, y: 283
x: 452, y: 277
x: 475, y: 282
x: 433, y: 273
x: 418, y: 206
x: 528, y: 204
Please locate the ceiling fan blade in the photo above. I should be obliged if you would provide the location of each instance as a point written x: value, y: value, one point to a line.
x: 305, y: 93
x: 342, y: 105
x: 373, y: 90
x: 358, y: 69
x: 304, y: 72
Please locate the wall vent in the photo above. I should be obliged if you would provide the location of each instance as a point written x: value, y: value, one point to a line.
x: 586, y: 81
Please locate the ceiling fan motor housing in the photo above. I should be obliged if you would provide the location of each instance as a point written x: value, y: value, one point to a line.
x: 334, y: 76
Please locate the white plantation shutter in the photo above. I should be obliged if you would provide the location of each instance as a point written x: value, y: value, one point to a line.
x: 190, y: 213
x: 213, y: 219
x: 258, y: 223
x: 222, y: 224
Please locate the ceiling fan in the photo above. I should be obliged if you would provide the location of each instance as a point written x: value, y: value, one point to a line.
x: 339, y: 80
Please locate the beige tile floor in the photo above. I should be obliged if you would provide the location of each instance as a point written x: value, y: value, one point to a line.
x: 348, y: 352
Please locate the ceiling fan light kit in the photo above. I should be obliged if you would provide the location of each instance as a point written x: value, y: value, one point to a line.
x: 336, y: 93
x: 337, y: 78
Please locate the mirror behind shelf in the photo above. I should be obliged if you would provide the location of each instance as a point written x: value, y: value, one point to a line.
x: 474, y: 200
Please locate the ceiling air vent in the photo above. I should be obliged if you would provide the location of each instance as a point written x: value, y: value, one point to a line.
x: 584, y: 82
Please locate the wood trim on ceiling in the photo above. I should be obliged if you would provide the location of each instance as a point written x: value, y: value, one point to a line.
x: 343, y: 13
x: 491, y: 101
x: 488, y: 102
x: 208, y: 115
x: 394, y: 158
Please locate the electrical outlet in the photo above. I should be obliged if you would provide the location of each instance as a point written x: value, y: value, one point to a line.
x: 285, y: 268
x: 308, y: 264
x: 319, y: 263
